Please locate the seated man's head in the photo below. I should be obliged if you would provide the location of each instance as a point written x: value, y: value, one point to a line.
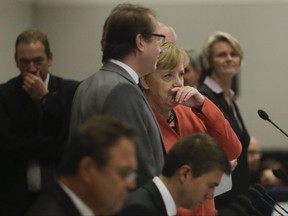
x: 195, y: 165
x: 99, y: 163
x: 254, y: 154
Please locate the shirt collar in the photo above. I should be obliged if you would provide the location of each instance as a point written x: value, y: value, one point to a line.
x: 79, y: 204
x: 46, y: 81
x: 130, y: 71
x: 215, y: 87
x: 166, y: 196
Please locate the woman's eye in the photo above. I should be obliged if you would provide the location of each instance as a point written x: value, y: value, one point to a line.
x: 167, y: 76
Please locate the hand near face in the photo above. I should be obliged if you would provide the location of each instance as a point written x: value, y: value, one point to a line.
x: 188, y: 96
x: 233, y: 164
x: 34, y: 85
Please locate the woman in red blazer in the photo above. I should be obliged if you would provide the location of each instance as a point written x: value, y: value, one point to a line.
x: 181, y: 110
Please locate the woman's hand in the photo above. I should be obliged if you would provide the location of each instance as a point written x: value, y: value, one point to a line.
x: 188, y: 96
x: 233, y: 164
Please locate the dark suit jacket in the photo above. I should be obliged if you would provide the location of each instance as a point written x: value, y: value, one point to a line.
x: 113, y: 91
x: 240, y: 176
x: 30, y: 131
x: 145, y: 201
x: 53, y: 202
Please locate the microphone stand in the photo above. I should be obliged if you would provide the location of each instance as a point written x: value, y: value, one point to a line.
x: 259, y: 188
x: 277, y: 127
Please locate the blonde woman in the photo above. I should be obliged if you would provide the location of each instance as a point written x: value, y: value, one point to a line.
x: 181, y: 110
x: 222, y: 59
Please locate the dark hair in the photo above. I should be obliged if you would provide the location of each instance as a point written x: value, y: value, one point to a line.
x: 200, y: 151
x: 33, y: 35
x: 94, y: 138
x: 120, y: 29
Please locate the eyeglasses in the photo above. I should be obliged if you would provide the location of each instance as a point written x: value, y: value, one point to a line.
x: 161, y: 38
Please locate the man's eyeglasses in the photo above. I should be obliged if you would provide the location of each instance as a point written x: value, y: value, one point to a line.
x: 161, y: 38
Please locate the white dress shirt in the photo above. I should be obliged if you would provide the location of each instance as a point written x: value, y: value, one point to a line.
x: 129, y: 70
x: 79, y: 204
x: 166, y: 196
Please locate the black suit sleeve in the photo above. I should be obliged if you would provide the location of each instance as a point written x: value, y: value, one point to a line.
x: 31, y: 130
x: 136, y: 210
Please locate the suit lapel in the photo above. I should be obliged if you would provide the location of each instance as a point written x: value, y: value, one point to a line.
x: 64, y: 201
x: 156, y: 196
x: 109, y: 66
x: 53, y: 85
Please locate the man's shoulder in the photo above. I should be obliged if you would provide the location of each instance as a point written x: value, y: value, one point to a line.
x: 105, y: 80
x: 10, y: 85
x: 62, y: 80
x: 59, y: 84
x: 143, y: 202
x: 144, y: 193
x: 53, y: 202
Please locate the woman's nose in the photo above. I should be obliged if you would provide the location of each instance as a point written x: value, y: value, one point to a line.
x: 178, y: 82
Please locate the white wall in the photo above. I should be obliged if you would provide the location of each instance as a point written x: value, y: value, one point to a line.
x: 75, y: 33
x: 14, y: 18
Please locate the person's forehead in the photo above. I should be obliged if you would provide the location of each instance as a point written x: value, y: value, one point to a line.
x: 33, y: 46
x: 213, y: 176
x: 155, y: 22
x: 122, y: 150
x: 30, y: 50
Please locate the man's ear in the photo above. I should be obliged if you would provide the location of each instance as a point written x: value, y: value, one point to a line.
x: 16, y: 59
x: 143, y: 82
x: 87, y: 169
x: 50, y: 58
x: 184, y: 173
x: 140, y: 42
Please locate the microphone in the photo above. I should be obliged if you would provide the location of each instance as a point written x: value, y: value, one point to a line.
x: 281, y: 174
x: 265, y: 117
x: 257, y: 194
x: 233, y: 209
x: 247, y: 204
x: 259, y: 188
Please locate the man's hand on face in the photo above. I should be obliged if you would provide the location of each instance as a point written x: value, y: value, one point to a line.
x: 34, y: 85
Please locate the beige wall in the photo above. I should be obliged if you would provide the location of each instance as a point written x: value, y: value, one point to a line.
x: 14, y: 17
x: 75, y: 32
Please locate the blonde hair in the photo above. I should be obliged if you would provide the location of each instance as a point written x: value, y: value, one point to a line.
x: 215, y: 38
x: 172, y: 56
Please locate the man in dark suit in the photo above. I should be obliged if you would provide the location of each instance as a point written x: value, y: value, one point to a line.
x: 34, y: 115
x: 96, y: 173
x: 193, y: 168
x: 131, y: 46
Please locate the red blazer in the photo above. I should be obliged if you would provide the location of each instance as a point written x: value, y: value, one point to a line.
x: 209, y: 120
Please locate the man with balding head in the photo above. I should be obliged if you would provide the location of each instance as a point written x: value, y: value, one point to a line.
x: 168, y: 31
